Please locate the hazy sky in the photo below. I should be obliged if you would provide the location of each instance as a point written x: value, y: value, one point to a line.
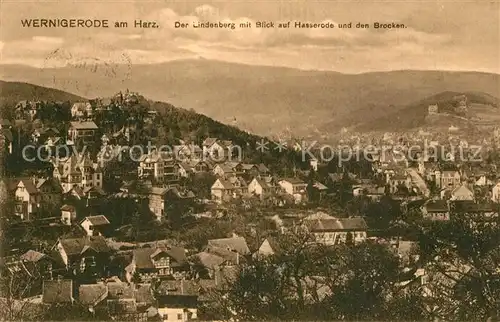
x: 450, y: 35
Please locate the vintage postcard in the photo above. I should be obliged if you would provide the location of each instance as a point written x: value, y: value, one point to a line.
x: 169, y: 160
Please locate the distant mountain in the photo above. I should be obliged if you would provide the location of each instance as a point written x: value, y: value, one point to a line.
x: 482, y: 109
x: 261, y: 99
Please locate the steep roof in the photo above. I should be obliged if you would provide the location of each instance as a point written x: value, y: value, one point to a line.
x: 178, y: 287
x: 120, y: 291
x: 462, y: 190
x: 208, y: 260
x: 338, y: 224
x: 57, y: 291
x: 318, y: 185
x: 92, y: 294
x: 28, y: 184
x: 76, y: 246
x: 262, y: 168
x: 97, y: 220
x: 84, y: 125
x: 294, y: 180
x: 208, y: 142
x: 142, y: 257
x: 436, y: 206
x: 32, y: 256
x: 144, y: 294
x: 238, y: 244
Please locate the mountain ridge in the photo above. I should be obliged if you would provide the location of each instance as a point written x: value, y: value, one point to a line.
x: 262, y: 99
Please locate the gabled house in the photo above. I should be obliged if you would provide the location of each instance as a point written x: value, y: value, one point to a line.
x: 462, y: 193
x: 94, y: 225
x: 184, y: 169
x: 234, y: 244
x: 151, y: 165
x: 269, y: 247
x: 123, y: 301
x: 224, y: 190
x: 77, y: 170
x: 27, y: 198
x: 217, y: 150
x: 206, y: 264
x: 316, y: 190
x: 85, y: 255
x: 85, y: 131
x: 177, y: 300
x: 263, y: 170
x: 436, y: 210
x: 330, y: 230
x: 261, y: 186
x: 294, y: 187
x: 187, y: 152
x: 39, y: 264
x: 200, y: 166
x: 51, y: 194
x: 224, y: 170
x: 156, y: 262
x: 158, y: 166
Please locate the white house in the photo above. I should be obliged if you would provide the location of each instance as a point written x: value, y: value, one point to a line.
x: 330, y: 230
x: 262, y: 186
x: 86, y: 131
x: 462, y: 193
x: 26, y: 197
x: 216, y: 150
x: 495, y: 193
x: 93, y: 225
x: 268, y: 247
x: 68, y: 214
x: 177, y: 300
x: 77, y: 170
x: 294, y: 187
x: 224, y: 190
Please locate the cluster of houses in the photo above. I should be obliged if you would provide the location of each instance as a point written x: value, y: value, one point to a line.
x: 156, y: 279
x: 162, y: 279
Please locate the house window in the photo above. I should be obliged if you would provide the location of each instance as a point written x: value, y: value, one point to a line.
x: 91, y: 227
x: 179, y: 316
x: 165, y: 316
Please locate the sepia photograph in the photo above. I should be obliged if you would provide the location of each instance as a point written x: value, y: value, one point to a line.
x: 277, y: 160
